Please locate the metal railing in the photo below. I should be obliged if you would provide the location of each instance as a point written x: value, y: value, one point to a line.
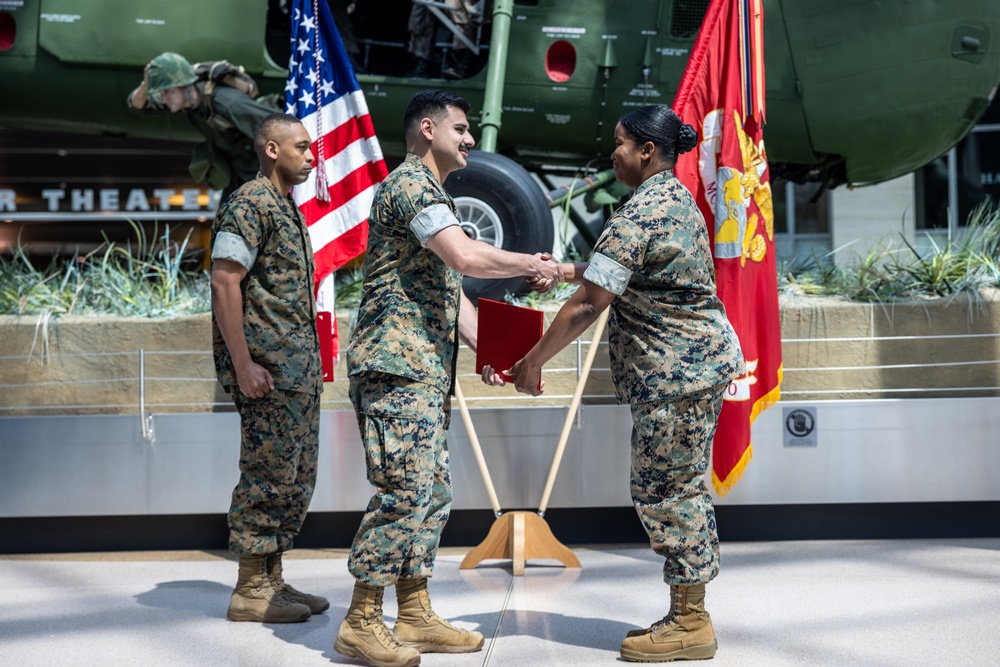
x: 198, y: 389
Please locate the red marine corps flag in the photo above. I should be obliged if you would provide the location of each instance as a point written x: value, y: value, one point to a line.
x: 324, y: 94
x: 722, y: 96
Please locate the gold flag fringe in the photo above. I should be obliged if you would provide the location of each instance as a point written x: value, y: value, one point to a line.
x: 724, y: 486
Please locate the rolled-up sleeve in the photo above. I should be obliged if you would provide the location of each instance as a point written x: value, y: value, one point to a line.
x: 607, y: 273
x: 430, y: 221
x: 235, y: 248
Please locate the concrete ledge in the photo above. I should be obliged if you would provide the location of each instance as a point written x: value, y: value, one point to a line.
x: 89, y: 365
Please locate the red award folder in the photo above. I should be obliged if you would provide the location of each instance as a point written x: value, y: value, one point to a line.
x: 506, y: 334
x: 324, y: 331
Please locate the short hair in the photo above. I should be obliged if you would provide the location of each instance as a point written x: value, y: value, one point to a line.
x: 431, y: 103
x: 659, y: 124
x: 268, y: 129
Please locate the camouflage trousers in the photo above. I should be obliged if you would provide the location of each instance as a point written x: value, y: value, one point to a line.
x: 671, y: 444
x: 278, y: 452
x: 404, y: 426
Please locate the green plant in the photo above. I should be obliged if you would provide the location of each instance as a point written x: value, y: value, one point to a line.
x: 348, y: 287
x: 148, y: 280
x: 963, y: 265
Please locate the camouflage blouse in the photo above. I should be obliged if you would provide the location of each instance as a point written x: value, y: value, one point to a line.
x: 407, y: 320
x: 668, y: 332
x: 262, y: 229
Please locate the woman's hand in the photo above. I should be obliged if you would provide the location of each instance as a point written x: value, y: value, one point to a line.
x: 527, y: 378
x: 523, y: 375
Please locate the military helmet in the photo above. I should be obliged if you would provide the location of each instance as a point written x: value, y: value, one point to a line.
x: 169, y: 70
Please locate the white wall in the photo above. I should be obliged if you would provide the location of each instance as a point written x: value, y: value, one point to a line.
x: 868, y: 217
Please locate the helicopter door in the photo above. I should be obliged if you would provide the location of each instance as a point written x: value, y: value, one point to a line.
x: 116, y: 33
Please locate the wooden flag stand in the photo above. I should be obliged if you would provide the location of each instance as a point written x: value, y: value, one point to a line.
x: 518, y: 536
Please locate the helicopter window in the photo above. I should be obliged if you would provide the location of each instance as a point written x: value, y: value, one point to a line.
x: 686, y: 19
x: 8, y: 31
x: 560, y: 61
x: 279, y: 32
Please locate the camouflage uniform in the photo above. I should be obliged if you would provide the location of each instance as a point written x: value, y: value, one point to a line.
x: 228, y: 134
x: 673, y: 352
x: 401, y: 361
x: 261, y: 229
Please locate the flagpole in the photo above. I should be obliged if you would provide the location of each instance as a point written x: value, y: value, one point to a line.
x: 574, y: 404
x: 477, y: 449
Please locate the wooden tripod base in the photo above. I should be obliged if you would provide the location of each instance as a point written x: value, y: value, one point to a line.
x: 520, y: 536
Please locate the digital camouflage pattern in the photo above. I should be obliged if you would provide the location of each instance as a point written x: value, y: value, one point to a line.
x: 673, y: 353
x: 169, y: 70
x: 280, y: 442
x: 671, y: 441
x: 407, y: 320
x: 668, y: 333
x: 278, y: 303
x: 404, y: 428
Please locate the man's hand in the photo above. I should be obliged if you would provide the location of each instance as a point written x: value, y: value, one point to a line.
x: 493, y: 378
x: 255, y: 381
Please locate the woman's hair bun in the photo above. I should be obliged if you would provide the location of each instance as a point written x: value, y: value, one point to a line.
x: 687, y: 138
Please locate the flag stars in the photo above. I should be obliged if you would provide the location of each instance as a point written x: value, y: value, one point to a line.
x: 303, y: 45
x: 319, y: 56
x: 313, y: 77
x: 308, y: 23
x: 306, y: 100
x: 327, y: 88
x: 291, y: 86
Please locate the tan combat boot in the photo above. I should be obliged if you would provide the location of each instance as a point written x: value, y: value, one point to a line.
x: 363, y: 633
x: 417, y: 625
x: 256, y: 599
x: 316, y: 603
x: 685, y: 633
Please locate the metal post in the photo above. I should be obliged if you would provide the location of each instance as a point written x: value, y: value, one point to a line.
x: 496, y: 70
x: 142, y: 384
x: 790, y: 209
x: 579, y: 372
x: 145, y: 420
x: 953, y: 193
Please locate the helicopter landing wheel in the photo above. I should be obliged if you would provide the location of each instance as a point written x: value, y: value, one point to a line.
x: 500, y: 203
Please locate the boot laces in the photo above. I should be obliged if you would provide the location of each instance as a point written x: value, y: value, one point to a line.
x: 664, y: 624
x: 381, y: 630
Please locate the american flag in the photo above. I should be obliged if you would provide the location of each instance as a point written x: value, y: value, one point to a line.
x: 323, y: 92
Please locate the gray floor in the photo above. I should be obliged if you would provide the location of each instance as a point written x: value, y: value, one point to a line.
x: 872, y: 603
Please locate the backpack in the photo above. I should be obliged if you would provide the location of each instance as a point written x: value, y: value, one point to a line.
x: 206, y: 165
x: 216, y: 72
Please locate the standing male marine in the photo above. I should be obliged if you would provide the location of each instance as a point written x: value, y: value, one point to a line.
x: 267, y: 358
x: 401, y: 363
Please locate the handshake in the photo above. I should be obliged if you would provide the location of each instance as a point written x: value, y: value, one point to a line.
x: 545, y: 273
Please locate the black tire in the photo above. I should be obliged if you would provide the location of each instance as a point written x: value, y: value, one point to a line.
x: 500, y: 203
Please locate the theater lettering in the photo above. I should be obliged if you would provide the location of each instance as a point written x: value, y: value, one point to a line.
x: 110, y: 200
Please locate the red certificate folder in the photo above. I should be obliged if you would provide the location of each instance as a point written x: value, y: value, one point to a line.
x: 324, y: 331
x: 506, y: 334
